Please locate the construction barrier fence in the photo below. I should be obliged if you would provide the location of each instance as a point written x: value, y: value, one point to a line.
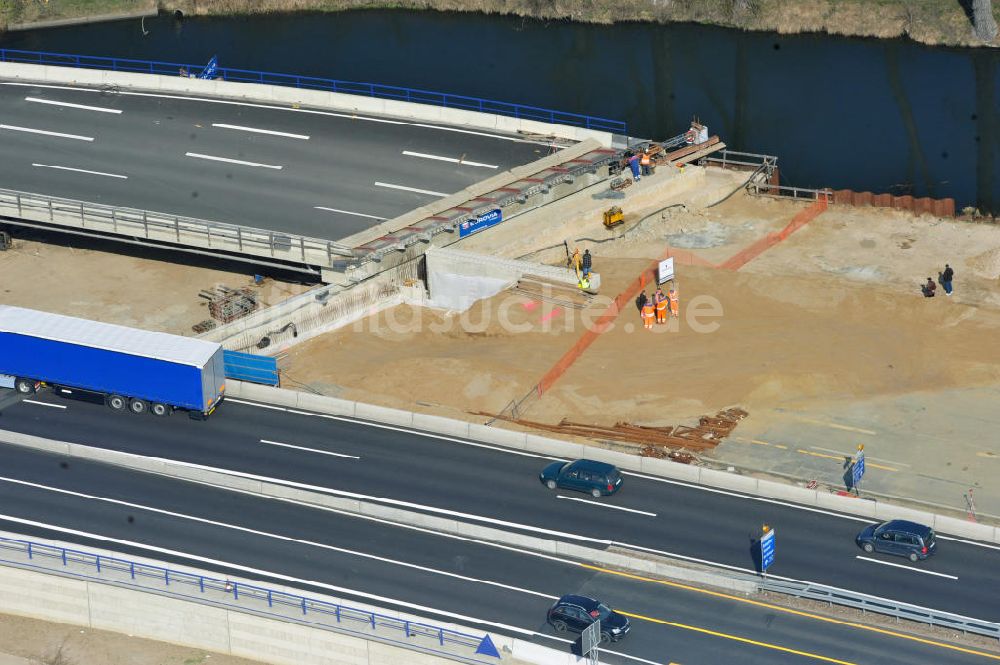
x: 748, y: 254
x: 621, y: 301
x: 648, y: 277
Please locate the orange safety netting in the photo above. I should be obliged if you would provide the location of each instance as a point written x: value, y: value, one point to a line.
x: 621, y: 301
x: 682, y: 257
x: 748, y: 254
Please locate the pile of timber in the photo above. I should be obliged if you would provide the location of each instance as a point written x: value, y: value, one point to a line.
x: 655, y: 441
x: 550, y: 291
x: 690, y: 153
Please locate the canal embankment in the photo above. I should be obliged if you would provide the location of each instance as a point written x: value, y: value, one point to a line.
x: 932, y: 22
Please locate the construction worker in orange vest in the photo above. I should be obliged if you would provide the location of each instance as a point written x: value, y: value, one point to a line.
x: 661, y: 306
x: 648, y: 312
x: 674, y: 304
x: 646, y: 162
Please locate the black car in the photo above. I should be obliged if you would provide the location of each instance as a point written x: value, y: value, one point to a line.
x: 596, y: 478
x: 575, y: 613
x: 899, y: 537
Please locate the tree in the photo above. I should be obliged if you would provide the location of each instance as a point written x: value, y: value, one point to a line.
x: 982, y: 19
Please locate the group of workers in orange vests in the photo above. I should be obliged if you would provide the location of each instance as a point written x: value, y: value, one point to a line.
x: 655, y: 308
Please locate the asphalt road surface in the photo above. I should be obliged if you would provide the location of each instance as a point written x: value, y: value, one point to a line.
x: 496, y: 589
x: 497, y: 487
x: 309, y: 172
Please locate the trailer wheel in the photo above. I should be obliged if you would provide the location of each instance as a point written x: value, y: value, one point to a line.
x: 116, y: 402
x: 159, y: 409
x: 136, y: 405
x: 24, y: 386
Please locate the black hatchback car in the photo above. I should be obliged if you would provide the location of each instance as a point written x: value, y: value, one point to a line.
x: 596, y: 478
x: 575, y: 613
x: 899, y: 537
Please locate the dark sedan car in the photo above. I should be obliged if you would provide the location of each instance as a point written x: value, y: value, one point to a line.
x: 575, y: 613
x: 596, y: 478
x: 899, y: 537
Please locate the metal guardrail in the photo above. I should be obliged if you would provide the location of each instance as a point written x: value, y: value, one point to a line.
x: 380, y: 91
x: 244, y: 597
x: 867, y: 603
x: 786, y: 192
x: 84, y: 217
x: 748, y: 161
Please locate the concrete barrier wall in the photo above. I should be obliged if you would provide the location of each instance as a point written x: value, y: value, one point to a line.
x: 457, y: 278
x: 100, y: 606
x: 775, y: 489
x: 463, y: 262
x: 286, y: 96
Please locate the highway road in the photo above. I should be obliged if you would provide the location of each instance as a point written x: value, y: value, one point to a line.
x: 496, y: 589
x: 498, y: 487
x: 305, y: 171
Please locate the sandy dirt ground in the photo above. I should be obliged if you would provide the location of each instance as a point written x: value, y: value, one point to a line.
x: 782, y: 337
x: 773, y: 341
x: 32, y: 642
x: 140, y: 290
x: 824, y: 338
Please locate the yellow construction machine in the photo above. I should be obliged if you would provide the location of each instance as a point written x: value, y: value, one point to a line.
x: 613, y: 217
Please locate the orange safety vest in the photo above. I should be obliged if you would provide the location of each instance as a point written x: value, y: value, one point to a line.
x: 661, y: 305
x: 673, y: 301
x: 645, y: 161
x: 647, y: 310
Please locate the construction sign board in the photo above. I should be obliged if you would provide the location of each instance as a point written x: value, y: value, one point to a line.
x: 484, y: 221
x: 666, y: 271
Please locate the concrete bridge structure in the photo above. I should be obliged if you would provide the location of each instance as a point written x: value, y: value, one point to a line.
x: 320, y: 181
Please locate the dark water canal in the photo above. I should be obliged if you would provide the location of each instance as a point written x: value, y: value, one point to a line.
x: 885, y: 116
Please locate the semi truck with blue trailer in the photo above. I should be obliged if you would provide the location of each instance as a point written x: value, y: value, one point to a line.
x: 134, y: 370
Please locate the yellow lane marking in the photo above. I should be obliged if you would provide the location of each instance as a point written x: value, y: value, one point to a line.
x: 809, y: 452
x: 760, y: 442
x: 836, y: 426
x: 737, y: 638
x: 840, y: 458
x: 788, y: 610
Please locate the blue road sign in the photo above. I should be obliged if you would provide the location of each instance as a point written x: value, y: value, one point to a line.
x: 767, y: 550
x: 209, y: 71
x: 858, y: 469
x: 487, y: 648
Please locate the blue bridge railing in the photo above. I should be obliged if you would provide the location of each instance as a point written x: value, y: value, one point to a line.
x: 240, y: 596
x: 313, y: 83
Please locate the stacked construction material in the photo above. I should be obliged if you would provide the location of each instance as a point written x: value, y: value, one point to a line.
x: 226, y: 304
x: 691, y: 153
